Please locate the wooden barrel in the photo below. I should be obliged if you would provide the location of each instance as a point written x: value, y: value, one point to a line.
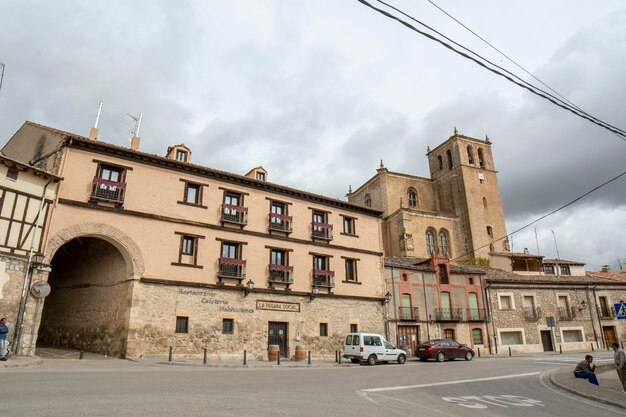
x: 300, y: 353
x: 272, y: 353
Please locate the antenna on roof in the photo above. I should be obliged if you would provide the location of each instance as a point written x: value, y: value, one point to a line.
x: 1, y: 75
x: 137, y: 120
x: 537, y: 241
x: 93, y: 133
x: 558, y: 268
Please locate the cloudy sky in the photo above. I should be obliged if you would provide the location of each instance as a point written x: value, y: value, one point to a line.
x: 319, y: 91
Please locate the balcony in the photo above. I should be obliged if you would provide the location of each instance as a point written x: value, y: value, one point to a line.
x: 322, y: 231
x: 234, y: 214
x: 323, y: 278
x: 476, y: 314
x: 280, y: 223
x: 232, y: 268
x: 606, y: 313
x: 567, y: 314
x: 448, y: 314
x: 532, y: 313
x: 408, y: 313
x: 280, y: 274
x: 105, y: 190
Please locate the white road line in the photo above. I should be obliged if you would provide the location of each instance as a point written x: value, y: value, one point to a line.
x: 552, y: 363
x: 437, y: 384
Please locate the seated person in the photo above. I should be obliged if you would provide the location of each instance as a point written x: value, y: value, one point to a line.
x: 585, y: 369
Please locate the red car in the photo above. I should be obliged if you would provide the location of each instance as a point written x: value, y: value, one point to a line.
x: 442, y: 349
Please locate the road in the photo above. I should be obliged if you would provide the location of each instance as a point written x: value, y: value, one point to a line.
x: 500, y: 386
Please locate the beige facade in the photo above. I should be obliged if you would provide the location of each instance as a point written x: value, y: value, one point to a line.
x: 457, y: 211
x: 149, y: 252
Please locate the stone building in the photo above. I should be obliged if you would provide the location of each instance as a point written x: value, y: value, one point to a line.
x: 27, y: 194
x: 456, y: 212
x: 581, y: 309
x: 434, y: 299
x: 149, y: 252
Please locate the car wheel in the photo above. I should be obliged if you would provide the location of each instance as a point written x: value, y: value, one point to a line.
x: 371, y: 361
x: 468, y: 356
x: 423, y: 359
x: 354, y: 360
x: 401, y: 359
x: 441, y: 357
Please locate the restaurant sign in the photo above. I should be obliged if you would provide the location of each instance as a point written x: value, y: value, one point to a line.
x: 277, y: 306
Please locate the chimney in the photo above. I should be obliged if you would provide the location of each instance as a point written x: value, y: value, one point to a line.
x: 606, y: 268
x: 134, y: 143
x: 93, y: 133
x: 526, y: 251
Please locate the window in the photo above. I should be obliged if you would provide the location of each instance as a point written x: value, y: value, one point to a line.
x: 230, y: 250
x: 193, y: 193
x: 405, y: 277
x: 511, y: 338
x: 233, y: 210
x: 323, y: 329
x: 260, y: 176
x: 481, y: 159
x: 351, y: 275
x: 470, y: 281
x: 565, y: 270
x: 449, y: 157
x: 440, y: 162
x: 489, y: 231
x: 319, y: 226
x: 477, y: 336
x: 348, y: 226
x: 470, y: 154
x: 12, y: 174
x: 548, y: 269
x: 181, y: 155
x: 485, y: 202
x: 372, y: 341
x: 228, y: 326
x: 572, y: 336
x: 109, y: 184
x: 322, y: 275
x: 430, y: 242
x: 448, y: 334
x: 563, y: 301
x: 279, y: 220
x: 278, y: 257
x: 368, y: 200
x: 505, y: 302
x: 443, y: 274
x: 412, y: 197
x: 182, y: 324
x: 354, y: 327
x: 443, y: 243
x: 188, y: 245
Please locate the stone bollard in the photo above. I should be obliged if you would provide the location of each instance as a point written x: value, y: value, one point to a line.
x: 82, y: 353
x: 169, y: 359
x: 510, y: 351
x: 245, y: 357
x: 204, y: 360
x: 560, y: 349
x: 592, y: 349
x: 309, y: 357
x: 478, y: 352
x: 278, y: 357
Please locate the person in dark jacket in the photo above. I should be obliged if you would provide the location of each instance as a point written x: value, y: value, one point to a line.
x: 587, y: 370
x: 4, y: 330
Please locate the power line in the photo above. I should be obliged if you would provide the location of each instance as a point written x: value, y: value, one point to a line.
x: 546, y: 215
x: 537, y: 91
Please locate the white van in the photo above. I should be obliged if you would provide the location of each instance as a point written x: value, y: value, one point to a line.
x: 372, y: 348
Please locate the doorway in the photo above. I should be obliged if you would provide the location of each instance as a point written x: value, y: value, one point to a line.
x: 408, y: 336
x: 278, y: 335
x: 610, y: 336
x: 546, y: 341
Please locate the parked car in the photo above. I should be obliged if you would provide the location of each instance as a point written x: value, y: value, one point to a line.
x: 442, y: 349
x: 372, y: 348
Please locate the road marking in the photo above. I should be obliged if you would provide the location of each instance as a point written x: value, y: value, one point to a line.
x: 497, y: 400
x: 437, y: 384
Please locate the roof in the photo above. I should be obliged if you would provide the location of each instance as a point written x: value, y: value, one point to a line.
x: 561, y: 262
x: 616, y: 276
x: 517, y: 255
x: 501, y: 276
x: 33, y: 168
x: 144, y: 157
x: 423, y: 264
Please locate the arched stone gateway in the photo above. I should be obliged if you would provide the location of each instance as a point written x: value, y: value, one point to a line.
x: 94, y: 271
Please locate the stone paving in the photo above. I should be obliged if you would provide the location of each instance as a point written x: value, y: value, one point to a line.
x: 610, y: 390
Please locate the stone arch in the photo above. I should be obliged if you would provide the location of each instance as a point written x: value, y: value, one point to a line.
x: 127, y: 247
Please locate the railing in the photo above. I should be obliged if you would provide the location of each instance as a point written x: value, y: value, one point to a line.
x: 531, y: 313
x: 323, y: 278
x: 106, y: 190
x: 280, y: 222
x: 280, y: 274
x: 567, y: 313
x: 475, y: 314
x: 607, y: 313
x: 408, y: 313
x: 448, y: 314
x: 234, y: 214
x: 321, y: 231
x: 232, y: 268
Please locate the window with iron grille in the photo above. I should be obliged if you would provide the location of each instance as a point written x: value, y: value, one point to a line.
x: 193, y: 193
x: 228, y: 326
x: 323, y: 329
x: 351, y: 274
x: 182, y: 324
x: 354, y: 328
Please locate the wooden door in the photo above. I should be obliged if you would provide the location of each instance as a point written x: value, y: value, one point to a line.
x: 546, y: 341
x: 408, y: 336
x: 277, y: 335
x: 609, y: 335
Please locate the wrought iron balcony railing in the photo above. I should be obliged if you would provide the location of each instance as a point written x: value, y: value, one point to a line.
x: 448, y: 314
x: 323, y: 278
x: 234, y: 214
x: 280, y: 222
x: 322, y: 231
x: 281, y: 274
x: 105, y: 190
x: 476, y: 314
x: 232, y: 268
x: 408, y: 313
x: 532, y: 313
x: 567, y: 313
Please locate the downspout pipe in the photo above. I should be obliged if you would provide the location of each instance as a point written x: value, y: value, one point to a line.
x: 29, y: 277
x: 426, y: 307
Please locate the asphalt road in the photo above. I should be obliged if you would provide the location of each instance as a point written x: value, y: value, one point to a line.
x: 483, y: 387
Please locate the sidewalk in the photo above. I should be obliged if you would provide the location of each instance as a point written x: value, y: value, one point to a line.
x: 251, y: 363
x: 21, y: 361
x: 609, y: 391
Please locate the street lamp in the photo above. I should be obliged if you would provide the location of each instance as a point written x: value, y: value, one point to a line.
x: 248, y: 288
x: 314, y: 292
x: 387, y: 298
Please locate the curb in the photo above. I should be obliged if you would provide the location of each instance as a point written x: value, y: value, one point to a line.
x: 268, y: 366
x: 12, y: 364
x: 583, y: 394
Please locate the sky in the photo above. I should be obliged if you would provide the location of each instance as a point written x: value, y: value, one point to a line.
x: 318, y: 92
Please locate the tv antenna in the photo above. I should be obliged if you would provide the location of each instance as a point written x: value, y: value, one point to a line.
x: 137, y: 120
x: 2, y: 74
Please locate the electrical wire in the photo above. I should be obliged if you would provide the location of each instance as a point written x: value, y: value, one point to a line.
x: 619, y: 132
